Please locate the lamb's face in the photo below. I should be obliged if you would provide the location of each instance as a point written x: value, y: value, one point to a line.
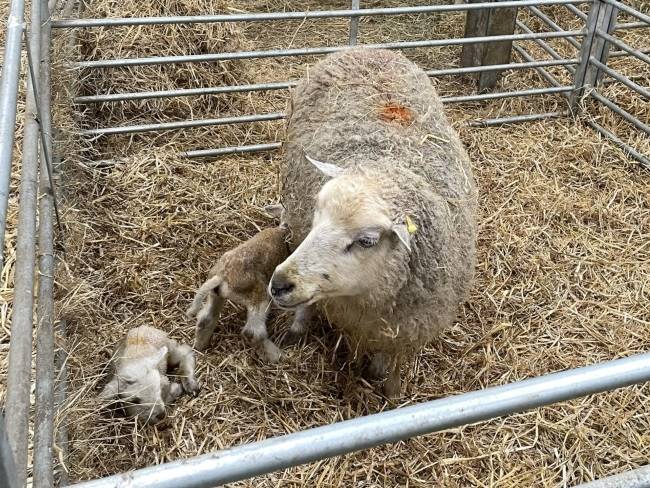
x: 345, y: 253
x: 140, y: 386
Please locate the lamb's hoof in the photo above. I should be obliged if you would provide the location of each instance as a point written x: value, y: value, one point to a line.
x: 271, y: 353
x: 191, y: 386
x: 291, y: 338
x: 392, y: 387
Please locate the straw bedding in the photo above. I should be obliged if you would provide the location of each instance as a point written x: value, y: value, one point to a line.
x: 562, y: 279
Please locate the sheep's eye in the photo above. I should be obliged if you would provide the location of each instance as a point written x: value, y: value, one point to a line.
x: 367, y: 242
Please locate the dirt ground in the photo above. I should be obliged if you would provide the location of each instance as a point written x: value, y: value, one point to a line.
x: 562, y: 277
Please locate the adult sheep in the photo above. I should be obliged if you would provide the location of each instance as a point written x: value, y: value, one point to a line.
x: 381, y: 201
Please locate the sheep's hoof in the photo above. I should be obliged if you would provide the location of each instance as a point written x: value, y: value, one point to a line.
x: 191, y: 386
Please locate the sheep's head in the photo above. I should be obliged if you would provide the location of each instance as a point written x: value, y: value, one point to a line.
x: 350, y: 246
x: 140, y: 387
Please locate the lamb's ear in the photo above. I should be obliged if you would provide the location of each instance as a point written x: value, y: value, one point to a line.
x: 274, y: 209
x: 328, y: 169
x: 109, y: 392
x: 402, y: 232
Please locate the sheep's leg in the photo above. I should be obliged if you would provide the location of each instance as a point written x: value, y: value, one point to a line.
x: 393, y: 386
x: 300, y: 324
x: 206, y: 321
x: 255, y: 330
x: 182, y: 356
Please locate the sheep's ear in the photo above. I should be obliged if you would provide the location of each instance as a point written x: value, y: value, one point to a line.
x: 109, y: 391
x: 274, y: 209
x: 403, y: 234
x: 328, y: 169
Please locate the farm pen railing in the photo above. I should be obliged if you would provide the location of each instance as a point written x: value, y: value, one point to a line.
x: 589, y: 69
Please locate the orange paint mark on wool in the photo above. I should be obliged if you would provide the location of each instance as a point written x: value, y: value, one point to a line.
x: 392, y: 112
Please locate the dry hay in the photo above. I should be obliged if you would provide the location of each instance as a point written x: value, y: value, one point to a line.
x: 562, y: 277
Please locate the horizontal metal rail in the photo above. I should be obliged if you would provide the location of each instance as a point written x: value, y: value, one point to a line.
x: 189, y: 92
x: 551, y: 23
x: 9, y: 78
x: 191, y: 124
x: 620, y: 54
x: 278, y: 453
x: 519, y: 93
x: 205, y: 58
x: 541, y: 71
x: 184, y: 92
x: 627, y: 116
x: 207, y: 153
x: 636, y: 478
x: 644, y: 92
x: 275, y: 16
x: 631, y: 25
x: 629, y: 10
x: 516, y: 119
x: 182, y: 124
x: 639, y: 54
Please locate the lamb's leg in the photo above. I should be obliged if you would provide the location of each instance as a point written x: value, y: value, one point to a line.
x: 206, y: 321
x: 300, y: 324
x: 379, y: 365
x: 393, y: 386
x: 182, y: 356
x: 255, y: 330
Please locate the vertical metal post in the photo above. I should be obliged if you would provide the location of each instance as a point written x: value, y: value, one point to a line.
x: 20, y: 349
x: 7, y: 466
x: 354, y: 22
x: 44, y: 418
x: 60, y: 394
x: 602, y: 16
x: 8, y: 100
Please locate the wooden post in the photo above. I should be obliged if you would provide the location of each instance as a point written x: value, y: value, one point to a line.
x: 488, y: 22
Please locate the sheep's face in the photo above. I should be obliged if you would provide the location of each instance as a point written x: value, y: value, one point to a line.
x: 140, y: 386
x: 346, y: 253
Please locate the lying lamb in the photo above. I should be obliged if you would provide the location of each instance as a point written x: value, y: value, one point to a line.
x: 139, y: 369
x: 386, y: 247
x: 242, y: 275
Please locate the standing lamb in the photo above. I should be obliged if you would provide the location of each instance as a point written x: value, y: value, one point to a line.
x: 242, y: 276
x: 386, y: 247
x: 139, y: 373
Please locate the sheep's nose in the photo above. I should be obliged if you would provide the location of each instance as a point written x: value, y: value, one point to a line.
x: 157, y: 417
x: 280, y: 286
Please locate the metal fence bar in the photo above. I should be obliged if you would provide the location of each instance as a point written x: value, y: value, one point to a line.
x: 551, y: 23
x: 631, y: 25
x: 644, y: 92
x: 8, y: 106
x: 354, y: 22
x: 542, y: 72
x: 619, y: 54
x: 623, y: 113
x: 317, y: 14
x: 629, y: 10
x: 183, y: 124
x: 278, y: 453
x: 544, y: 45
x: 44, y: 416
x: 60, y: 393
x: 518, y: 93
x: 20, y: 350
x: 637, y: 53
x: 516, y: 119
x: 206, y: 153
x: 636, y: 478
x: 7, y: 465
x: 575, y: 10
x: 204, y: 58
x: 645, y: 161
x: 188, y: 92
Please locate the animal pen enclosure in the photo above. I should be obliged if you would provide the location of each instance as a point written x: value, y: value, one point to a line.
x: 134, y: 100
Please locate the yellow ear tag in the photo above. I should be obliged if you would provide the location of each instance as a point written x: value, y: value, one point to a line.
x: 410, y: 226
